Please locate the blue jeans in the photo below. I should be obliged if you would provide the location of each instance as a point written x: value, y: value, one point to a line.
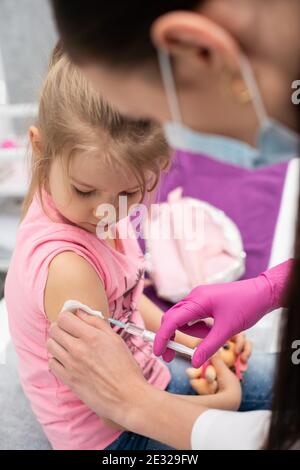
x: 257, y: 383
x: 257, y: 391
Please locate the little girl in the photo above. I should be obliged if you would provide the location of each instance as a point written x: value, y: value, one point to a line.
x: 84, y: 155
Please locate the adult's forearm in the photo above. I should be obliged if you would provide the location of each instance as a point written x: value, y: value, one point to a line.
x: 169, y: 418
x: 161, y: 416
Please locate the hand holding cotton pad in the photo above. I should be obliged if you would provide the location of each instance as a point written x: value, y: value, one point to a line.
x: 131, y: 328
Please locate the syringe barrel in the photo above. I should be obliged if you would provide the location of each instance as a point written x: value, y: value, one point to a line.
x: 150, y: 336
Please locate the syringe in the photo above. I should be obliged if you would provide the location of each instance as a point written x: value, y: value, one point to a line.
x: 130, y: 328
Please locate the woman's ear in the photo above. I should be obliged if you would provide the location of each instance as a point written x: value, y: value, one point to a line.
x: 35, y: 139
x: 181, y: 32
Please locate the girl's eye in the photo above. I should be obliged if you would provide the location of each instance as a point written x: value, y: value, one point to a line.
x: 124, y: 193
x: 82, y: 193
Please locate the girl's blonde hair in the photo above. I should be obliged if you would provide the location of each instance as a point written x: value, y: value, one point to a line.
x: 74, y: 117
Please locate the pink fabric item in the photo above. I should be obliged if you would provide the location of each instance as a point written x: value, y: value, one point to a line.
x: 189, y: 243
x: 235, y: 307
x: 67, y: 422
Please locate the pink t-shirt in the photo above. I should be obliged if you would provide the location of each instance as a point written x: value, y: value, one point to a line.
x: 67, y: 422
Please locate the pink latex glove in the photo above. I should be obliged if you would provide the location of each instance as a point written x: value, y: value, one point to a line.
x: 235, y: 307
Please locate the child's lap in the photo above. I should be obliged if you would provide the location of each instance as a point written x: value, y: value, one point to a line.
x: 131, y: 441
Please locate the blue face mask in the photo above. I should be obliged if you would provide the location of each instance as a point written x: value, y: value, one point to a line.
x: 275, y: 142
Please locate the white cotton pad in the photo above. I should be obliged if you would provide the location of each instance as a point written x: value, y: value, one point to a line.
x: 74, y: 305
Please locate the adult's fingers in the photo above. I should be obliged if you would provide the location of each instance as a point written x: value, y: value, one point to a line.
x: 168, y: 355
x: 198, y: 330
x: 58, y: 370
x: 57, y: 351
x: 80, y: 326
x: 61, y: 337
x: 173, y: 320
x: 215, y: 339
x: 94, y: 321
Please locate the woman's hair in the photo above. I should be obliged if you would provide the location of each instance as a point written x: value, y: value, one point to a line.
x: 73, y: 117
x: 117, y: 32
x: 285, y: 421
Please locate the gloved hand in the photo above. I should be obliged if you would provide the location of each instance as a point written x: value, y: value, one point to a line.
x: 235, y: 307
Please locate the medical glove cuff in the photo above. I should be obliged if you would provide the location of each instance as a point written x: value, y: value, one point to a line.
x: 278, y: 278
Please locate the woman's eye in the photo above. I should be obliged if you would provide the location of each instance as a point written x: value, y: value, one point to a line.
x: 83, y: 193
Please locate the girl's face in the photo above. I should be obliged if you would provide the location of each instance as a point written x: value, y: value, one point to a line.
x: 79, y: 193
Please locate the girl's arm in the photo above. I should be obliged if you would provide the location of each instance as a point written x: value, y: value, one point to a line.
x: 94, y: 376
x: 71, y: 277
x: 152, y: 318
x: 178, y: 413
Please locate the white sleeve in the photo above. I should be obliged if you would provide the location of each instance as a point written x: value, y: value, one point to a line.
x: 230, y: 430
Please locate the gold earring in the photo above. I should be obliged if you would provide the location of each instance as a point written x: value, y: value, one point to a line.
x: 235, y: 86
x: 241, y: 91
